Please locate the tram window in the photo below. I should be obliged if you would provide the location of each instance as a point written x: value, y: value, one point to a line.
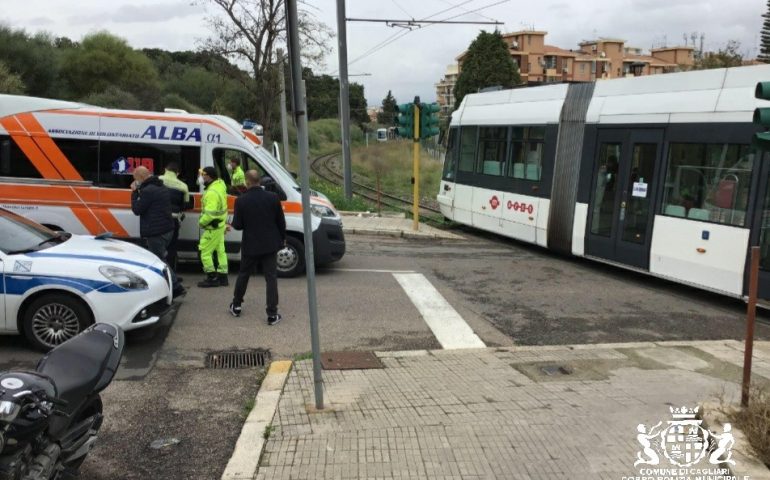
x: 451, y: 156
x: 492, y: 151
x: 467, y: 149
x: 527, y: 157
x: 708, y: 182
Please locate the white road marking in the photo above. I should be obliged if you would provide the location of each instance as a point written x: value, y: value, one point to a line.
x: 447, y: 325
x: 366, y: 270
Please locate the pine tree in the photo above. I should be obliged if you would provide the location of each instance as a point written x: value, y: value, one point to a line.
x: 487, y: 63
x: 385, y: 117
x: 764, y: 47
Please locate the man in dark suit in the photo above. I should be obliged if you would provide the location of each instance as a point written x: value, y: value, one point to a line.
x: 260, y: 215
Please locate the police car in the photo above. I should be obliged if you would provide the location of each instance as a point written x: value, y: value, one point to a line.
x: 55, y: 284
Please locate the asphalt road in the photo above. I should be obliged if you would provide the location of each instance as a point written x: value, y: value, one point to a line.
x: 507, y: 292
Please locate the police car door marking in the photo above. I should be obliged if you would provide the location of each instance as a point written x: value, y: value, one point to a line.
x: 23, y: 266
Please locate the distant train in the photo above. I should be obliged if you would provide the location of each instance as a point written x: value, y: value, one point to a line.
x: 651, y: 173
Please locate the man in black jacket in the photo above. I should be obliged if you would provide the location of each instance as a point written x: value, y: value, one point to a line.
x: 150, y: 200
x: 260, y: 215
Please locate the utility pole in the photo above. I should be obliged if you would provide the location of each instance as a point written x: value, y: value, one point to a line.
x: 416, y: 166
x: 342, y: 50
x: 284, y: 122
x: 300, y: 116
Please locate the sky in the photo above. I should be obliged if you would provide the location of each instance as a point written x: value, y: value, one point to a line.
x: 415, y: 60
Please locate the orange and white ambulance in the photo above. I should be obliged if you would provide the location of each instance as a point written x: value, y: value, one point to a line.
x: 69, y: 166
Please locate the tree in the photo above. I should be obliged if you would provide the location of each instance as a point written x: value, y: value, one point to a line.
x: 103, y: 60
x: 248, y: 33
x: 487, y: 63
x: 389, y: 105
x: 33, y: 59
x: 764, y: 46
x: 728, y: 56
x: 113, y: 97
x: 10, y: 82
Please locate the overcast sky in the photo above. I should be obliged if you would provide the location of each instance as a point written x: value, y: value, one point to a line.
x: 413, y: 63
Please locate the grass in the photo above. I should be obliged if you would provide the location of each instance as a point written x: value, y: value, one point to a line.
x: 754, y: 421
x: 269, y: 429
x: 248, y: 407
x: 391, y: 159
x: 393, y: 162
x: 303, y: 356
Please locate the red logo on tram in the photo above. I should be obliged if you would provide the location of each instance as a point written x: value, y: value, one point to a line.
x: 521, y: 207
x: 494, y: 202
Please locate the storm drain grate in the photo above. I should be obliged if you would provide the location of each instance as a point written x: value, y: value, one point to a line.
x: 238, y: 359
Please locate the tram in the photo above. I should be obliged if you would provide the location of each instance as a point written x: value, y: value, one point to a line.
x: 655, y: 173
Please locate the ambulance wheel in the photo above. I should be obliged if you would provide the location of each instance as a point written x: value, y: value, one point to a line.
x: 291, y: 259
x: 54, y: 318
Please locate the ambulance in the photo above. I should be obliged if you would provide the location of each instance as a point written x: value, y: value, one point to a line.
x: 68, y: 166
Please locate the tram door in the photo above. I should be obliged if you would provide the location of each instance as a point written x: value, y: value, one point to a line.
x: 623, y: 189
x: 760, y: 233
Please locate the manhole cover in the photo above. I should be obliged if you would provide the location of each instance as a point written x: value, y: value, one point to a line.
x: 552, y: 370
x: 350, y: 360
x: 238, y: 359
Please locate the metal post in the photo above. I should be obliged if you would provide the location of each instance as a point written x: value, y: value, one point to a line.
x: 342, y: 50
x: 416, y: 166
x: 750, y: 317
x: 284, y: 121
x: 300, y: 113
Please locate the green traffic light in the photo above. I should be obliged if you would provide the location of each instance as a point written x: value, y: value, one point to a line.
x: 761, y: 140
x: 762, y: 91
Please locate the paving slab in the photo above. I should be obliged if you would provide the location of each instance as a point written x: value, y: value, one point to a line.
x: 490, y: 413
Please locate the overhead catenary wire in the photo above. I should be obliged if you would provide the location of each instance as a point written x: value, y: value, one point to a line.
x: 399, y: 34
x: 430, y: 23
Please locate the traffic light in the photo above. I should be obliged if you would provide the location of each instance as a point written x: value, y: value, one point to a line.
x: 405, y: 120
x: 429, y: 119
x: 762, y: 116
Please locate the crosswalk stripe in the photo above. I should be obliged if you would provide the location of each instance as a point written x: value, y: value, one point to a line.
x: 447, y: 325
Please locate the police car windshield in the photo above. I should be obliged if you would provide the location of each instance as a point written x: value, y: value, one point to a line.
x: 19, y: 235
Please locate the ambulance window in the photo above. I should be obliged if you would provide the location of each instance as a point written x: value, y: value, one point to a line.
x: 117, y: 161
x: 254, y: 165
x: 222, y: 156
x: 84, y: 156
x: 13, y: 163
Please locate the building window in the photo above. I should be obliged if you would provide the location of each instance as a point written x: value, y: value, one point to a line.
x: 527, y: 153
x: 582, y: 68
x: 708, y: 182
x: 529, y: 39
x: 467, y: 149
x: 492, y: 151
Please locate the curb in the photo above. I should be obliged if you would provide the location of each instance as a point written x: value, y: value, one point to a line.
x: 399, y: 234
x: 244, y: 463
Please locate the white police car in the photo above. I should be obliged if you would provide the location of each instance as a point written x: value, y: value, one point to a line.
x: 55, y: 284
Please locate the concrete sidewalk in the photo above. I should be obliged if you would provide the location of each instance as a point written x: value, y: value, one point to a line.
x: 396, y: 225
x: 494, y: 412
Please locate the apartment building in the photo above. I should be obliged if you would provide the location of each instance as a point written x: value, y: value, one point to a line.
x: 598, y: 59
x: 445, y: 89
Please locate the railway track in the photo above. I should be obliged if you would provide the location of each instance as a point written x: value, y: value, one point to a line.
x: 320, y: 167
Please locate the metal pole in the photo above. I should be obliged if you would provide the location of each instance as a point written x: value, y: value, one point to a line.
x: 750, y: 317
x: 300, y: 113
x: 416, y: 166
x: 284, y: 121
x: 342, y: 50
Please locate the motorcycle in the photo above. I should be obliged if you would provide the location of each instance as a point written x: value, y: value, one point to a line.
x: 50, y: 417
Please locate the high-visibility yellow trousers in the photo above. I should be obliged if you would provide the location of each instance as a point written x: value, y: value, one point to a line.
x: 213, y: 241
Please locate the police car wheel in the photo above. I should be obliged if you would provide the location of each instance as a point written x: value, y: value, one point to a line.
x: 291, y: 259
x: 54, y: 318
